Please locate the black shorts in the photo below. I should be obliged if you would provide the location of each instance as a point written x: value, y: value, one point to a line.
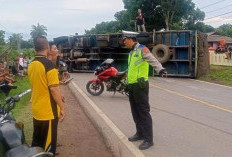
x: 45, y: 134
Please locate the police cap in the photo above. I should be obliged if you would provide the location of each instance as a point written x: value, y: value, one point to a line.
x: 129, y: 34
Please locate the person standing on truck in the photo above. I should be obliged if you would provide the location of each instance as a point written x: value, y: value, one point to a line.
x: 47, y: 102
x: 140, y: 21
x: 137, y: 78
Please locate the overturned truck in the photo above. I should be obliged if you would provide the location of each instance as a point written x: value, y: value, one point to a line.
x: 182, y: 53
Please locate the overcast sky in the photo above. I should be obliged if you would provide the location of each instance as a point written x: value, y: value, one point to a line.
x: 67, y: 17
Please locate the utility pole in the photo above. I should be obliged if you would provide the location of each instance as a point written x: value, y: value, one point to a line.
x: 18, y: 41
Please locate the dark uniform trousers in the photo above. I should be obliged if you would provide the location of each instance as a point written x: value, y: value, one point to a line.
x: 42, y: 133
x: 140, y: 108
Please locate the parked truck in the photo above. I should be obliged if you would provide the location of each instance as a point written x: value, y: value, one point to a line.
x: 183, y: 53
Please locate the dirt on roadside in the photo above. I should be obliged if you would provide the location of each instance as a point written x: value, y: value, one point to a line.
x: 77, y: 137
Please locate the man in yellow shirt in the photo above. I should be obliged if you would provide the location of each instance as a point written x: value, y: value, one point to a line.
x: 46, y: 97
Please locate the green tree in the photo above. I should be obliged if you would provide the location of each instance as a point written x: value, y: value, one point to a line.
x: 121, y: 23
x: 104, y: 27
x: 176, y: 26
x: 124, y: 23
x: 29, y: 52
x: 200, y: 26
x: 39, y: 30
x: 151, y: 10
x: 27, y: 44
x: 225, y: 29
x: 159, y: 14
x: 13, y: 54
x: 169, y: 8
x: 2, y: 37
x: 194, y: 17
x: 15, y: 41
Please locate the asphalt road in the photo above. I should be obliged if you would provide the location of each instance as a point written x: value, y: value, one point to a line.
x: 190, y: 118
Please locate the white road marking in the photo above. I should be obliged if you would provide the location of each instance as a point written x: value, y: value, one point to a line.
x: 193, y: 99
x: 211, y: 83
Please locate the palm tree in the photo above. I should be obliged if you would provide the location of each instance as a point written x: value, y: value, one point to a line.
x: 39, y: 30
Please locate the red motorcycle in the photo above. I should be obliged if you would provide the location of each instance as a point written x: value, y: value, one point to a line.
x: 106, y: 74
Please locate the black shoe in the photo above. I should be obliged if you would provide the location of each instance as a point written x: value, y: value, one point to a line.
x: 145, y: 145
x: 135, y: 138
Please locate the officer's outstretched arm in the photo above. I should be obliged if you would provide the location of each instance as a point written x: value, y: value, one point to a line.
x: 147, y: 56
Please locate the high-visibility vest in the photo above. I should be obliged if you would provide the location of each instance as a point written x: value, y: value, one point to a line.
x: 137, y: 67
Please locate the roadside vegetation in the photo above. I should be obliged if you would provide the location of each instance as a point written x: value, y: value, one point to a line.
x: 220, y: 75
x: 22, y: 110
x: 9, y: 51
x: 22, y: 85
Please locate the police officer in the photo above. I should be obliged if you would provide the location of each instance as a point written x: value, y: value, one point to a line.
x: 138, y: 67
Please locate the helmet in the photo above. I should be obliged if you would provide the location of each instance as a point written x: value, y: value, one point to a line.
x: 107, y: 63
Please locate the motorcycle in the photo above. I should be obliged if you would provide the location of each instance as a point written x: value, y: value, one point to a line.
x: 107, y: 74
x: 64, y: 75
x: 12, y: 139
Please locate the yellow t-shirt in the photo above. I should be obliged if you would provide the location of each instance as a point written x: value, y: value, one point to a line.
x: 42, y: 74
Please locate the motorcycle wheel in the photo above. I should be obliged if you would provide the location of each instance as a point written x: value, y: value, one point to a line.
x: 95, y: 88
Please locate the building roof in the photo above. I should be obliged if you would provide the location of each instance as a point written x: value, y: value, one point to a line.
x: 213, y: 33
x: 217, y: 38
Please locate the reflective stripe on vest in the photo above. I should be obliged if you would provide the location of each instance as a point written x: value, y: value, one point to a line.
x: 137, y: 67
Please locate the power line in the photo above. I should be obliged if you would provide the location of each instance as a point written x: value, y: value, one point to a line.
x: 72, y: 9
x: 224, y: 19
x: 212, y: 4
x: 219, y: 8
x: 218, y: 15
x: 6, y: 28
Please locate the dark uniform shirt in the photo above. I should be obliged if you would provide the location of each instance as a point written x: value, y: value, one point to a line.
x: 140, y: 19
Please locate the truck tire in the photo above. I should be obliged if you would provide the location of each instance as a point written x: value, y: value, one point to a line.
x: 161, y: 53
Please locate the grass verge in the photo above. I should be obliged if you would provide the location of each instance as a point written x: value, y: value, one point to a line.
x: 220, y: 75
x: 22, y: 110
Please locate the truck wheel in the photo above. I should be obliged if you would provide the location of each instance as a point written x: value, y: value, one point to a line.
x: 161, y: 53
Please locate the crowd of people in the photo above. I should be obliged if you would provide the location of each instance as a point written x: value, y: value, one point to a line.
x: 10, y: 70
x: 18, y: 68
x: 6, y: 80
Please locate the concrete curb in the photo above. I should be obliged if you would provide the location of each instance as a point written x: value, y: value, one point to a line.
x: 113, y: 137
